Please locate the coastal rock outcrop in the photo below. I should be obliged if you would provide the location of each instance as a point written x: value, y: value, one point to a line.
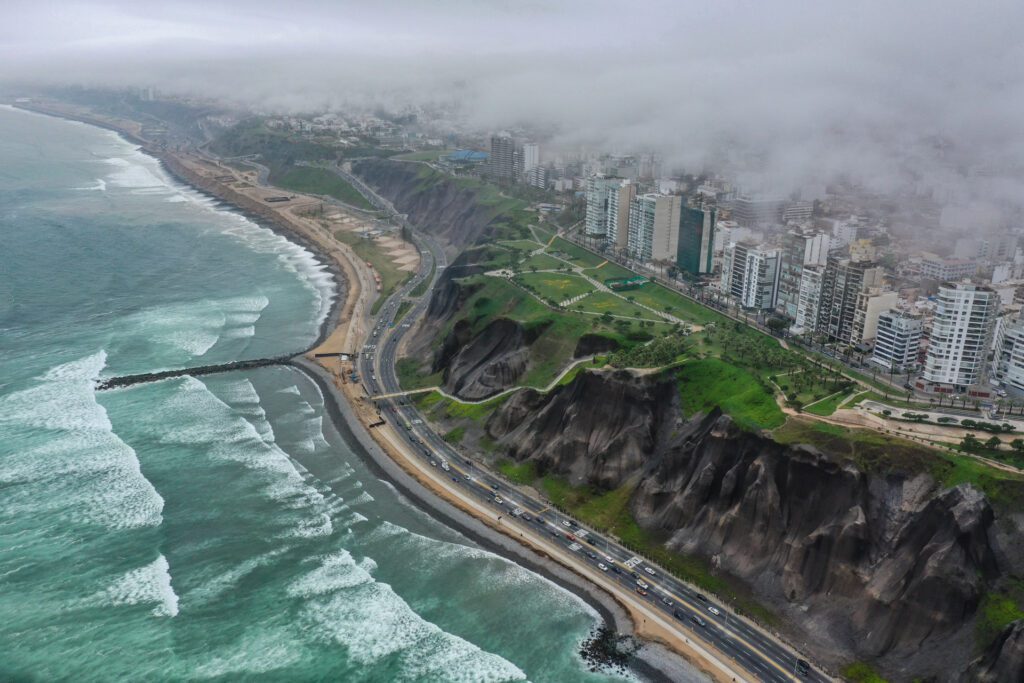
x: 436, y: 204
x: 1003, y: 661
x: 886, y: 567
x: 479, y: 366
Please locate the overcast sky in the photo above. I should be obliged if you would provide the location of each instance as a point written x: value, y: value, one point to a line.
x: 818, y: 87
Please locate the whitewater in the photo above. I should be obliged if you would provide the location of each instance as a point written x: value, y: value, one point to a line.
x: 215, y: 527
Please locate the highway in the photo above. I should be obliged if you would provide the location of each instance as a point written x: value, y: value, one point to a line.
x: 693, y: 614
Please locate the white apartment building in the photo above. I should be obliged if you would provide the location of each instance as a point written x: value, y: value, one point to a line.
x: 1010, y: 358
x: 654, y: 227
x: 531, y: 156
x: 897, y: 340
x: 961, y: 334
x: 619, y: 200
x: 596, y: 223
x: 753, y: 275
x: 809, y: 300
x: 943, y: 269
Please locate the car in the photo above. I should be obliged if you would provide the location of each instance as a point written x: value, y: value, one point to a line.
x: 494, y: 487
x: 554, y: 533
x: 609, y: 560
x: 634, y: 575
x: 433, y: 463
x: 518, y: 512
x: 566, y: 524
x: 445, y: 466
x: 803, y: 667
x: 616, y: 569
x: 667, y: 601
x: 714, y: 610
x: 697, y: 620
x: 679, y: 614
x: 527, y: 517
x: 603, y: 567
x: 649, y: 571
x: 498, y: 500
x: 417, y: 421
x: 591, y: 555
x: 641, y: 591
x: 455, y: 479
x: 467, y: 477
x: 700, y: 597
x: 642, y: 583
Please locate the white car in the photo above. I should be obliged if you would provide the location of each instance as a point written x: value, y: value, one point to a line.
x: 602, y: 566
x: 609, y: 560
x: 498, y: 500
x: 713, y: 610
x: 649, y: 571
x: 642, y: 584
x: 566, y: 524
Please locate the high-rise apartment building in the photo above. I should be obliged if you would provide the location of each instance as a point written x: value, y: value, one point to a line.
x: 871, y: 302
x: 654, y: 227
x: 808, y: 300
x: 596, y: 223
x: 695, y: 255
x: 1010, y: 356
x: 620, y: 198
x: 506, y: 160
x: 753, y: 275
x: 800, y: 248
x: 844, y: 279
x: 531, y: 156
x: 961, y: 334
x: 897, y: 341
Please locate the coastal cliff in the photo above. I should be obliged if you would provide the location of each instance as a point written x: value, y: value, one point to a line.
x: 436, y: 204
x: 885, y: 567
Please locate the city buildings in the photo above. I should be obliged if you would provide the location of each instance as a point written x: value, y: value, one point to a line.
x: 596, y: 222
x: 620, y: 199
x: 871, y: 302
x: 946, y: 270
x: 654, y: 227
x: 844, y: 279
x: 752, y: 275
x: 808, y: 300
x: 1010, y: 358
x: 897, y: 341
x: 505, y: 161
x: 531, y: 156
x: 961, y: 335
x: 752, y: 211
x: 695, y: 255
x: 800, y: 248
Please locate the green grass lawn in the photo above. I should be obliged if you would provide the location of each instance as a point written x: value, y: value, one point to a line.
x: 541, y: 262
x: 859, y: 672
x: 410, y: 376
x: 710, y: 383
x: 521, y: 245
x: 391, y: 278
x: 661, y: 298
x: 608, y: 271
x: 828, y: 405
x: 426, y: 155
x: 581, y: 257
x: 557, y: 286
x: 312, y: 180
x: 604, y: 302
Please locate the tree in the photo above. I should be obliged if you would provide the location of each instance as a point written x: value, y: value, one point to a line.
x: 970, y: 443
x: 1018, y: 445
x: 993, y: 443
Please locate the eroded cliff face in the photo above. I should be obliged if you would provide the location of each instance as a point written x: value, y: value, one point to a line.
x: 439, y: 206
x: 1003, y: 661
x: 888, y: 568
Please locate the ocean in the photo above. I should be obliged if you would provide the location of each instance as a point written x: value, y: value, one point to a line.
x: 215, y: 527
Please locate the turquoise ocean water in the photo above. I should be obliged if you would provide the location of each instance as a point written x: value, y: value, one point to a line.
x: 215, y: 528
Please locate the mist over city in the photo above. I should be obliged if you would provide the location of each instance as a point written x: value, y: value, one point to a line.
x: 905, y: 96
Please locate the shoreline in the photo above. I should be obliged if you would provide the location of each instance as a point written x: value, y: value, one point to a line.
x: 648, y: 665
x: 654, y: 658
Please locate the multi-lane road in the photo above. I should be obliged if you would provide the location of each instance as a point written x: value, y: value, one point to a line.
x: 685, y: 608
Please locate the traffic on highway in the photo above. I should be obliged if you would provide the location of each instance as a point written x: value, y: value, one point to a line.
x: 694, y: 614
